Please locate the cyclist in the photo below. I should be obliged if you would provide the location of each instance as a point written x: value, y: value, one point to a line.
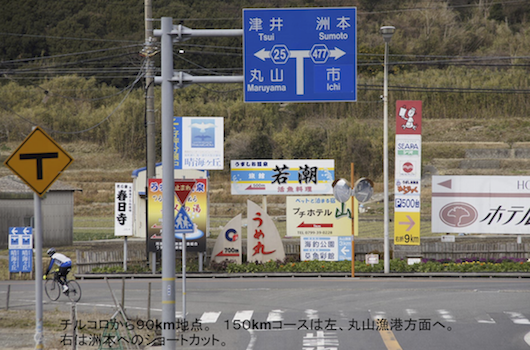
x: 64, y: 263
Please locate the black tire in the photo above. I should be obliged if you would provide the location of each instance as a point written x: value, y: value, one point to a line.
x: 53, y: 289
x: 74, y: 291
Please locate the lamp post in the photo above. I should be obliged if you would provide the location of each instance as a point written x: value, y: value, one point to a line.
x: 386, y: 32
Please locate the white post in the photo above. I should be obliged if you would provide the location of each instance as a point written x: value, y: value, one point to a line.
x: 387, y: 32
x: 38, y: 271
x: 168, y: 191
x: 125, y: 253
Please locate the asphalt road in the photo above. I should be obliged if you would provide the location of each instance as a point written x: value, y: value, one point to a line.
x: 317, y: 313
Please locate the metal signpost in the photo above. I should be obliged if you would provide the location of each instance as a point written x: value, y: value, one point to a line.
x: 300, y: 54
x: 38, y: 161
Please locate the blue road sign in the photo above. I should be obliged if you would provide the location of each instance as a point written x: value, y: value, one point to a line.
x: 183, y: 223
x: 20, y: 249
x: 300, y: 54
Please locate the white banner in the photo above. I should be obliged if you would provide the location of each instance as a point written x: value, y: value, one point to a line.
x: 481, y: 204
x: 123, y: 219
x: 282, y: 177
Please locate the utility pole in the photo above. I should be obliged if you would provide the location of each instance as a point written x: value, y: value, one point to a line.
x: 149, y: 51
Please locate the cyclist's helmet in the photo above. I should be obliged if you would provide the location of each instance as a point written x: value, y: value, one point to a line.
x: 51, y: 251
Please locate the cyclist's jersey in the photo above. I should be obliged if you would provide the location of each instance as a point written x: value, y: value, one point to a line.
x: 61, y: 260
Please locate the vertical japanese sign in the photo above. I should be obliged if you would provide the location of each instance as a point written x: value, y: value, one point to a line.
x: 282, y: 177
x: 123, y: 220
x: 263, y: 239
x: 318, y: 216
x: 407, y: 205
x: 481, y: 204
x: 196, y: 208
x: 198, y: 143
x: 300, y: 54
x: 20, y: 249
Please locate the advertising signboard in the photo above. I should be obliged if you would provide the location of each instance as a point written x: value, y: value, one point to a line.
x: 282, y: 177
x: 196, y: 209
x: 407, y: 189
x: 318, y: 216
x: 481, y: 204
x: 198, y: 143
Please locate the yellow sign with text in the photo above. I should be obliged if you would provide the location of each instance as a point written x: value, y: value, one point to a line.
x: 318, y: 216
x: 406, y: 228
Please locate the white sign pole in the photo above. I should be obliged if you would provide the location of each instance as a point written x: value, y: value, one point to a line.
x: 38, y: 271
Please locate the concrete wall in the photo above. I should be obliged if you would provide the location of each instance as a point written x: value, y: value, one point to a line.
x: 57, y: 213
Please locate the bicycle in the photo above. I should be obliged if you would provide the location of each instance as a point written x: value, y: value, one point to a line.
x: 53, y: 288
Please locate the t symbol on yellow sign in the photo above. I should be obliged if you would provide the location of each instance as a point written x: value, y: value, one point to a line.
x: 38, y: 161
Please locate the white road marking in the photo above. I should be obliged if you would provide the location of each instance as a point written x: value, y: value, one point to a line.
x: 275, y: 315
x: 311, y: 314
x: 485, y: 319
x: 446, y: 315
x: 242, y: 316
x: 210, y: 317
x: 517, y: 317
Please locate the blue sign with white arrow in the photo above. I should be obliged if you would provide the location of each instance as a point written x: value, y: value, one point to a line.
x: 300, y: 54
x: 20, y: 249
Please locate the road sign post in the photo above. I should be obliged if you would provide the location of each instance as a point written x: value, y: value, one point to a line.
x: 38, y: 161
x: 183, y: 224
x: 300, y: 54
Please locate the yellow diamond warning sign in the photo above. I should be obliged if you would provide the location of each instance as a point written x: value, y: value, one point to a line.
x: 39, y: 161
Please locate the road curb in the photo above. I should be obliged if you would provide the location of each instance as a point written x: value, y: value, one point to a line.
x: 307, y: 275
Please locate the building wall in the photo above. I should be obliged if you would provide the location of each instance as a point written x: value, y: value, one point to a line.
x: 57, y: 216
x: 13, y: 213
x: 58, y: 219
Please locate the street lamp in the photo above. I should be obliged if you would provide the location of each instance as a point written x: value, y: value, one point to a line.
x: 386, y: 32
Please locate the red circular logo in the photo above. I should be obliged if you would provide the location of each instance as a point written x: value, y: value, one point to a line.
x: 408, y: 167
x: 458, y: 214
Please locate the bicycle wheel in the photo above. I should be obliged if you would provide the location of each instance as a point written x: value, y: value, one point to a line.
x: 74, y: 291
x: 53, y: 289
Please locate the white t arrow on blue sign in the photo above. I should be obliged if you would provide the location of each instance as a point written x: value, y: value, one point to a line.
x: 300, y: 54
x: 183, y: 223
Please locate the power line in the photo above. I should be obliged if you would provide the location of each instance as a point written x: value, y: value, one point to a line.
x: 409, y: 88
x: 67, y: 38
x: 138, y: 78
x: 68, y: 54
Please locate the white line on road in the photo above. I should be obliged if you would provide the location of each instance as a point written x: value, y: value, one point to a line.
x: 210, y: 317
x: 446, y: 315
x: 517, y: 317
x: 275, y: 315
x: 485, y: 319
x: 242, y: 316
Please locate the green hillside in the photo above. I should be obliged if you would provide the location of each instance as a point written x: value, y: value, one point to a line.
x: 75, y: 69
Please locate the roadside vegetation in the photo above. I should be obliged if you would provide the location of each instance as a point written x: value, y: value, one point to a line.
x: 292, y: 265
